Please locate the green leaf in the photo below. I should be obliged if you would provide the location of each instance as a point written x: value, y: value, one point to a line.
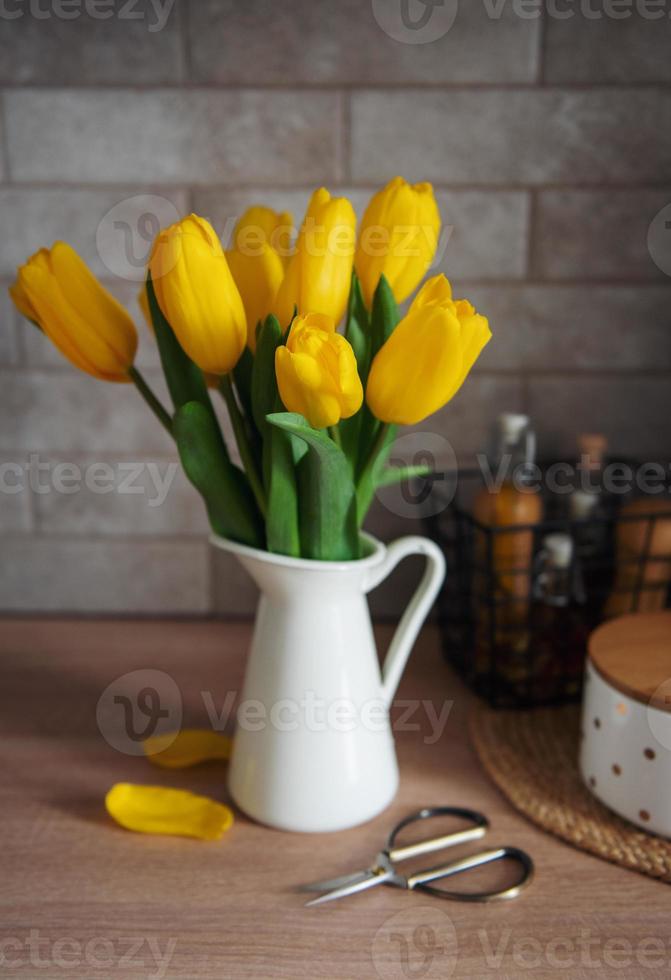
x: 282, y: 530
x: 369, y: 479
x: 242, y: 375
x: 357, y: 328
x: 265, y: 395
x: 384, y: 318
x: 263, y: 381
x: 357, y: 332
x: 225, y: 489
x: 349, y: 437
x: 327, y: 512
x: 396, y: 474
x: 279, y: 474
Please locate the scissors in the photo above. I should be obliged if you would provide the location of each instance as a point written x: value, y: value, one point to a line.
x: 383, y: 869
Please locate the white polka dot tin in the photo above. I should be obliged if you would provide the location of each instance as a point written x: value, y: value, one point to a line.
x: 625, y: 755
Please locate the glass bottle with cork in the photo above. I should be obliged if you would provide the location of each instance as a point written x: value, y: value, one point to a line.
x: 559, y: 626
x: 507, y: 512
x: 589, y: 510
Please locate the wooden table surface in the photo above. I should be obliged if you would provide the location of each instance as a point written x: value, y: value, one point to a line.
x: 80, y: 897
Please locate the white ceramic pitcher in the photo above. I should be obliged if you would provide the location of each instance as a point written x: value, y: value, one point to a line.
x: 313, y: 749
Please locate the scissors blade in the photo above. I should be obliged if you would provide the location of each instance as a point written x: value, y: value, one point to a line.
x: 372, y: 878
x: 327, y: 884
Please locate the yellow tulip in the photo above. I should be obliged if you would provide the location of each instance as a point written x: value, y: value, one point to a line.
x: 91, y: 329
x: 197, y: 294
x: 398, y: 238
x: 316, y: 372
x: 257, y: 267
x: 319, y: 273
x: 211, y: 380
x: 261, y: 224
x: 428, y: 356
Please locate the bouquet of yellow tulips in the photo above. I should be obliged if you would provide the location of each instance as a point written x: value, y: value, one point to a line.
x: 314, y: 411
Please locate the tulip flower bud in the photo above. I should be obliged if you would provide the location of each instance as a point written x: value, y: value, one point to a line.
x: 197, y: 294
x: 319, y: 273
x: 398, y: 238
x: 316, y: 372
x: 91, y: 329
x: 256, y: 265
x: 211, y: 380
x: 261, y: 224
x: 428, y: 356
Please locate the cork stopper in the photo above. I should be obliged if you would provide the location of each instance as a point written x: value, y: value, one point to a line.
x: 633, y: 654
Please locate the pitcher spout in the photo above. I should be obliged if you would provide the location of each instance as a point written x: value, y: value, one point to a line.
x: 286, y: 578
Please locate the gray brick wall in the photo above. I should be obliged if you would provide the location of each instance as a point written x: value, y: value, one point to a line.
x: 548, y: 140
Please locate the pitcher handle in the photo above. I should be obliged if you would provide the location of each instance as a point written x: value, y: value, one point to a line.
x: 416, y: 610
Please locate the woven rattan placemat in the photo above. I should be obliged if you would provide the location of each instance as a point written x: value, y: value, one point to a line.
x: 532, y: 757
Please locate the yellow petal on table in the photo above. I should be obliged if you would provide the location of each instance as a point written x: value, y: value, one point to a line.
x: 157, y: 810
x: 187, y: 748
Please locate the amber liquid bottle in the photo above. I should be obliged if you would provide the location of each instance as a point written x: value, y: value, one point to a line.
x: 504, y: 558
x: 643, y: 558
x: 560, y: 631
x: 593, y: 531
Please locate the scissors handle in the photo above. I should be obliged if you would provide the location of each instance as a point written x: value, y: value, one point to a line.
x: 422, y: 879
x: 407, y: 851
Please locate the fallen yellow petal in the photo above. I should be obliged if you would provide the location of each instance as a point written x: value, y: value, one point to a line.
x: 187, y: 748
x: 156, y: 810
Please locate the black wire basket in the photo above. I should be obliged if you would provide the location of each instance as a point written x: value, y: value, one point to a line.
x: 509, y: 645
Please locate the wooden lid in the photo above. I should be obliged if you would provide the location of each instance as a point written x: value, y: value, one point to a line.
x: 633, y: 654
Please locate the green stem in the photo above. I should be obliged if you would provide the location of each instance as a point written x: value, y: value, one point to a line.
x: 155, y: 405
x: 377, y: 447
x: 253, y: 434
x: 334, y: 432
x: 244, y: 447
